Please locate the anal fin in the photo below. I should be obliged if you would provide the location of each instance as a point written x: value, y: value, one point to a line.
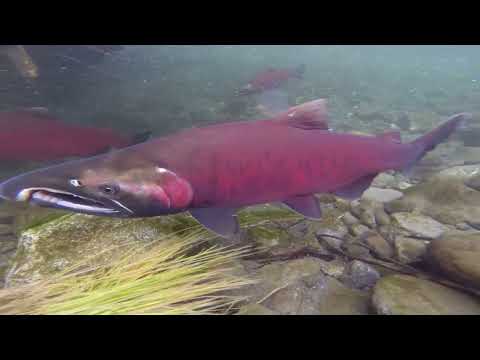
x: 305, y: 205
x: 222, y: 221
x: 356, y: 189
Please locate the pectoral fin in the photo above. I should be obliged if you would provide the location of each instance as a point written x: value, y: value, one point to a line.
x: 222, y: 221
x: 305, y: 205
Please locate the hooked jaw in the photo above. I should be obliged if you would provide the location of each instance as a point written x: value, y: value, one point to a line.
x: 64, y: 200
x: 18, y: 189
x: 88, y: 193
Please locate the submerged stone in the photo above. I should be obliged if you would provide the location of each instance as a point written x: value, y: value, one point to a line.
x: 447, y: 200
x: 70, y: 239
x: 420, y: 225
x: 407, y: 295
x: 458, y: 256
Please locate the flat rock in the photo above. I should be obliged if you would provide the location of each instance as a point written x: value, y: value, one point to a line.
x: 447, y: 200
x: 420, y: 225
x: 384, y: 180
x: 407, y: 295
x: 381, y: 195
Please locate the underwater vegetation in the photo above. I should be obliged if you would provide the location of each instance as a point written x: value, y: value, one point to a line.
x: 409, y: 245
x: 175, y: 275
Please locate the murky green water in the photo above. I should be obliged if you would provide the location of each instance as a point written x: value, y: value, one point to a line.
x: 369, y: 89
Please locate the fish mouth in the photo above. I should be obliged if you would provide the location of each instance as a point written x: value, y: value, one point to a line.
x: 64, y: 200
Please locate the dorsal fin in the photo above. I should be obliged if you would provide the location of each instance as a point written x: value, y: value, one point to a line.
x: 393, y: 136
x: 310, y: 115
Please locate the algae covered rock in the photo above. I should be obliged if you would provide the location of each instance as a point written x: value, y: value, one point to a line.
x: 458, y: 256
x: 419, y: 225
x: 407, y: 295
x: 447, y: 200
x: 301, y: 287
x: 53, y: 246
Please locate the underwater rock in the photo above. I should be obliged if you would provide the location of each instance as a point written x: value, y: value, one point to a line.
x: 420, y: 225
x: 300, y: 287
x: 474, y: 181
x: 461, y: 172
x: 379, y: 245
x: 13, y: 219
x: 381, y: 217
x: 407, y: 295
x: 357, y: 251
x: 333, y: 238
x: 359, y: 230
x: 381, y: 195
x: 349, y: 219
x: 34, y: 216
x: 446, y: 200
x: 384, y: 180
x: 360, y: 275
x: 458, y: 256
x: 53, y: 246
x: 364, y: 210
x: 277, y: 226
x: 409, y: 250
x: 256, y: 309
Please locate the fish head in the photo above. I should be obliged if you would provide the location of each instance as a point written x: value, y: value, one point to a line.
x: 103, y: 186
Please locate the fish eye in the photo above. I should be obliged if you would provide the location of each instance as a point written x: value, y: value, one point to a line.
x: 109, y: 189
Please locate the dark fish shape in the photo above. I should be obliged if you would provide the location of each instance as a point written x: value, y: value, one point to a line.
x: 35, y: 135
x: 213, y: 171
x: 271, y: 79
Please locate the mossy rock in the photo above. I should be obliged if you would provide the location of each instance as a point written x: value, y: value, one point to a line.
x: 408, y: 295
x: 447, y: 200
x: 53, y: 246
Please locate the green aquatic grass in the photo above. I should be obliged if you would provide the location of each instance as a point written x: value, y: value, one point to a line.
x: 171, y: 276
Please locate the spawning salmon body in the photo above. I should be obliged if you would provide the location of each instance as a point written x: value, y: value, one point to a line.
x: 239, y: 164
x: 213, y: 171
x: 36, y: 136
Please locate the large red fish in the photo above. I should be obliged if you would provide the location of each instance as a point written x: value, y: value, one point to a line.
x: 35, y: 135
x: 213, y: 171
x: 271, y: 79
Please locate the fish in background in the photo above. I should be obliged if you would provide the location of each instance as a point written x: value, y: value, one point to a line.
x: 35, y: 135
x: 215, y: 170
x: 21, y: 59
x: 271, y: 79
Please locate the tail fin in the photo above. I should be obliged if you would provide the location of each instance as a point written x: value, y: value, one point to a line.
x: 429, y: 141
